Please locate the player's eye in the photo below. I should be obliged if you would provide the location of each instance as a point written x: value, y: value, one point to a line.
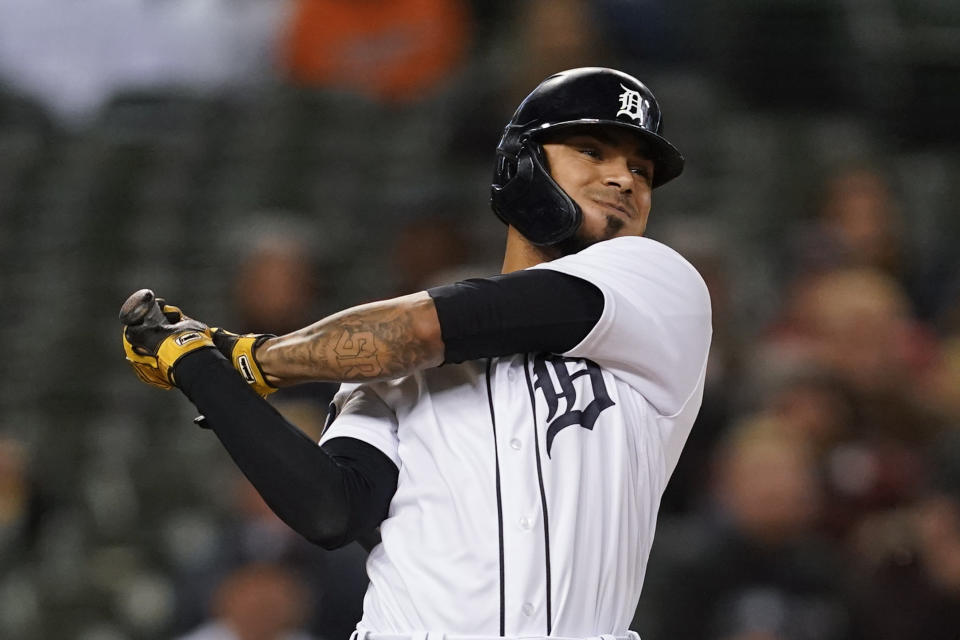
x: 589, y: 151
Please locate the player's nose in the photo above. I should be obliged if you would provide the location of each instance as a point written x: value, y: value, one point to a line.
x: 617, y: 173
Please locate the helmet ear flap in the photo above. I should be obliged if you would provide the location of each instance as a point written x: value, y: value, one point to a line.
x: 532, y: 202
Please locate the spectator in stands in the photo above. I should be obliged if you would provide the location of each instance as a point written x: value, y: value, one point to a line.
x: 755, y: 566
x: 426, y: 249
x: 857, y: 324
x: 331, y: 583
x: 277, y: 290
x: 276, y: 285
x: 256, y: 602
x: 854, y: 327
x: 815, y: 406
x: 910, y: 558
x: 858, y: 223
x: 553, y: 35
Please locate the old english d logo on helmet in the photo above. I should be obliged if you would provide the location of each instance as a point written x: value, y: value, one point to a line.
x: 523, y: 193
x: 633, y: 104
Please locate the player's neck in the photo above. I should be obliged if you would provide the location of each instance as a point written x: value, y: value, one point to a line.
x: 521, y: 253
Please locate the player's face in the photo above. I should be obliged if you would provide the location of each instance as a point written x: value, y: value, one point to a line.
x: 606, y: 172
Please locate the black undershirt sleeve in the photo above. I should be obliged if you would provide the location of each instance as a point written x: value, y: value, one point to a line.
x: 534, y: 310
x: 331, y: 495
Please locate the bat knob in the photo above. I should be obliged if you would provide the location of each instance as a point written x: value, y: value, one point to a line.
x: 141, y: 307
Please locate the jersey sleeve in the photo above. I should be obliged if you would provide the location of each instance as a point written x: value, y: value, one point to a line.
x: 655, y: 329
x: 358, y: 411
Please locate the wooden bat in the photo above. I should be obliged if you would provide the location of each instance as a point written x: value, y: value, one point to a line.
x: 141, y: 308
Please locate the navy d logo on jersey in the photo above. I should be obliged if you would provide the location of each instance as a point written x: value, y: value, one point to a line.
x: 575, y: 412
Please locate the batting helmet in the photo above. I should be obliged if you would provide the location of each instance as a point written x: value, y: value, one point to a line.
x: 523, y: 193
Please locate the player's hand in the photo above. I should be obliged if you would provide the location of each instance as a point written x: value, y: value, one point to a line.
x: 239, y: 350
x: 155, y: 343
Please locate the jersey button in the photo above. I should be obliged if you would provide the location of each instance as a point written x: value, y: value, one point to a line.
x: 515, y: 444
x: 526, y: 523
x: 527, y: 609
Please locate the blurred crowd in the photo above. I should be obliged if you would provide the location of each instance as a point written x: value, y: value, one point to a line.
x: 818, y: 497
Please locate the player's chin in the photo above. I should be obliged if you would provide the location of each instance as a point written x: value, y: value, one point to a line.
x: 612, y: 226
x: 619, y: 226
x: 616, y: 226
x: 609, y: 223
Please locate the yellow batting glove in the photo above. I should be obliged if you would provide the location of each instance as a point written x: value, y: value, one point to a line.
x: 152, y: 349
x: 239, y: 349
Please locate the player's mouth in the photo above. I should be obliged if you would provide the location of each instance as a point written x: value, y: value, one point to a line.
x: 615, y: 206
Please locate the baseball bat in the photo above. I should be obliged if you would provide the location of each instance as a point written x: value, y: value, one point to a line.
x: 141, y: 308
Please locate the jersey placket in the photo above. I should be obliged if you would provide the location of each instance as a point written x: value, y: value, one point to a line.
x: 525, y: 567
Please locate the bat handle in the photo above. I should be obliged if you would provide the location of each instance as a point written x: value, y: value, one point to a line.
x: 141, y: 308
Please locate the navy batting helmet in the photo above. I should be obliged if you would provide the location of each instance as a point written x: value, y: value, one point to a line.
x: 523, y: 193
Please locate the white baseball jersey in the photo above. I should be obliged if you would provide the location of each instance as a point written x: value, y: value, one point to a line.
x: 529, y: 485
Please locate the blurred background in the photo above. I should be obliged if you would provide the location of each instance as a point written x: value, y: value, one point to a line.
x: 265, y: 162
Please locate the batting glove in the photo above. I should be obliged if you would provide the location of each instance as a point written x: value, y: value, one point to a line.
x: 239, y: 350
x: 153, y: 349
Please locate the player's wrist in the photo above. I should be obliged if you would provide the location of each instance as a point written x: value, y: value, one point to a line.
x: 192, y: 360
x: 261, y: 355
x: 240, y: 351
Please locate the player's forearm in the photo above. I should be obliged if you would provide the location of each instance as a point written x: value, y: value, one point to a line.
x: 330, y: 494
x: 376, y: 341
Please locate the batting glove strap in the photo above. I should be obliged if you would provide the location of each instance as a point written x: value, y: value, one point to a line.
x: 239, y: 350
x: 156, y: 369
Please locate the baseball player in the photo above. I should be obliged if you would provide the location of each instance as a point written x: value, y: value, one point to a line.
x: 510, y: 436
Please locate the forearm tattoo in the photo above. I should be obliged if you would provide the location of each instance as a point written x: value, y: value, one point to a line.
x: 371, y: 342
x: 356, y: 353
